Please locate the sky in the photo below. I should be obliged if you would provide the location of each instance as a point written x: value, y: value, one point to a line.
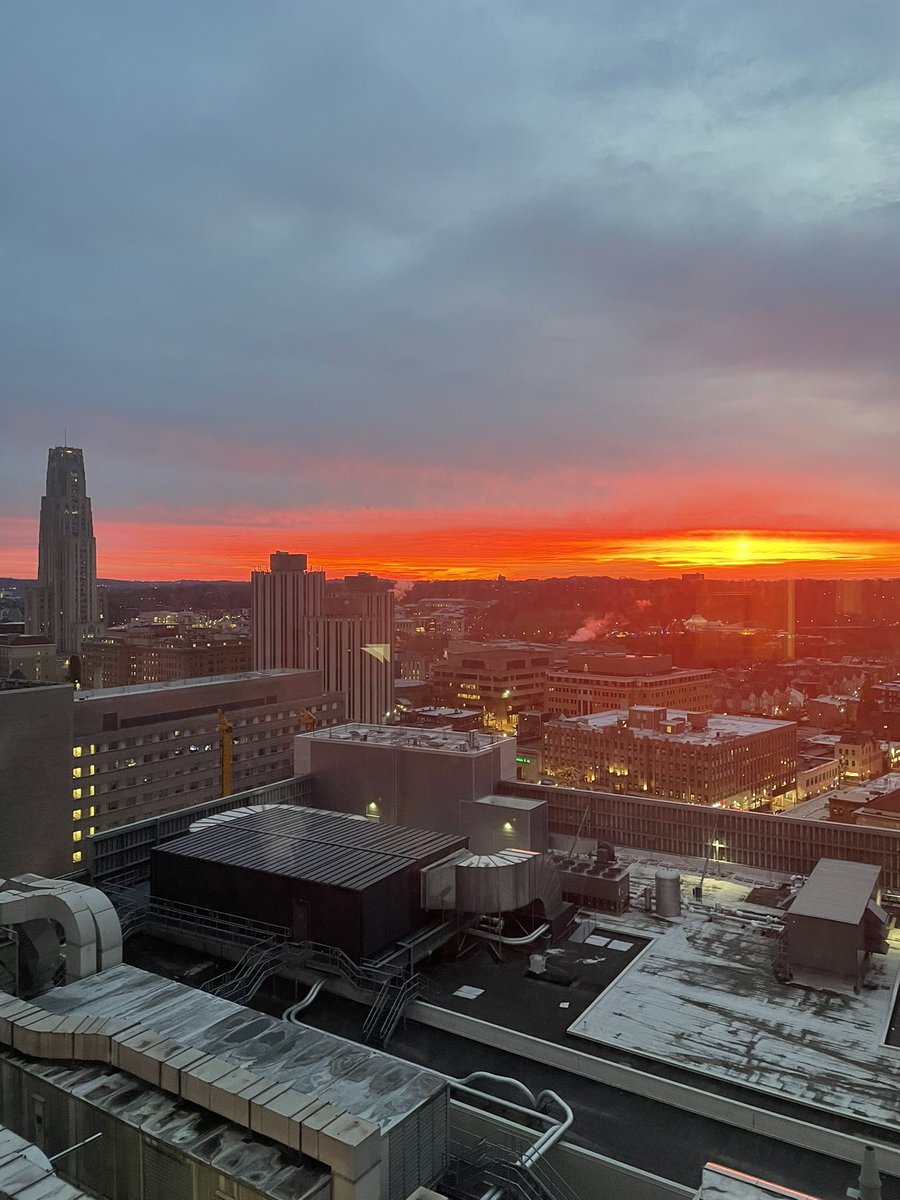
x: 455, y: 288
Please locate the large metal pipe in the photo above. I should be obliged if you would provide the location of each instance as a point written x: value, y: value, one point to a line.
x: 511, y: 941
x: 290, y: 1014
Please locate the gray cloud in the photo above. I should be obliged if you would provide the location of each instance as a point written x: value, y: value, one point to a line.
x: 442, y: 233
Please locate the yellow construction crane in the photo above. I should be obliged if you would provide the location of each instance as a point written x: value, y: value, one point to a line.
x: 308, y: 720
x: 226, y: 729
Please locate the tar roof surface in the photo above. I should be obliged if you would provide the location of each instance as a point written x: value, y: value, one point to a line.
x: 836, y: 891
x: 321, y: 847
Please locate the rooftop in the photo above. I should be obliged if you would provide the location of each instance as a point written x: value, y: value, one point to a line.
x: 172, y: 685
x: 717, y: 728
x: 703, y: 997
x: 356, y: 1079
x: 408, y: 737
x: 310, y: 844
x: 836, y: 891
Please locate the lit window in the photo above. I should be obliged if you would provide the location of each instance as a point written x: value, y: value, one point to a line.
x: 76, y: 836
x: 92, y: 770
x: 91, y: 790
x: 76, y: 814
x: 76, y: 856
x: 76, y: 752
x: 76, y: 772
x: 91, y: 831
x: 91, y: 811
x: 76, y: 793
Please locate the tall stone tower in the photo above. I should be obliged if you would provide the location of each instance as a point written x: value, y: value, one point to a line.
x: 64, y: 604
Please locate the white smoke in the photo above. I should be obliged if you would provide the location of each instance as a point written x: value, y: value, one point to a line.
x: 401, y: 587
x: 642, y: 605
x: 593, y: 628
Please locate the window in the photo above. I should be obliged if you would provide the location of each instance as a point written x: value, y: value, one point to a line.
x: 76, y: 752
x: 76, y: 856
x: 76, y: 793
x: 76, y: 836
x: 76, y: 814
x: 76, y: 772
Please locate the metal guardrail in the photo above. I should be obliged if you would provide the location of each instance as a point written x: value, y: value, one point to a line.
x: 497, y: 1161
x: 269, y: 951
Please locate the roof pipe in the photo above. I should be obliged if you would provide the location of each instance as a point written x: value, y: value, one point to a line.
x: 511, y: 941
x: 290, y: 1014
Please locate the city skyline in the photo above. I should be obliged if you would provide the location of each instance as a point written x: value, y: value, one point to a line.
x: 446, y: 291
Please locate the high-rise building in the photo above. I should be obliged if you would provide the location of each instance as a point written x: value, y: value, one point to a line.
x: 350, y: 643
x: 64, y: 606
x: 281, y: 600
x: 346, y: 634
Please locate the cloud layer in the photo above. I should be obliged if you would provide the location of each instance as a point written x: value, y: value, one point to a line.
x: 308, y: 270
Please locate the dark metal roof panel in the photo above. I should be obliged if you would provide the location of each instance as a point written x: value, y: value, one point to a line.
x: 305, y: 844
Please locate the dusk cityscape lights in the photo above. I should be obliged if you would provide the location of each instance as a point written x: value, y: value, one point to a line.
x: 450, y: 600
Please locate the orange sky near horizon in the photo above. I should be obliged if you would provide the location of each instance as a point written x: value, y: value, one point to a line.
x: 196, y: 550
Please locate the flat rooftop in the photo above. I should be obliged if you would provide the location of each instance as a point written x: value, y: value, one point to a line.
x: 702, y: 997
x: 174, y: 685
x: 407, y: 737
x: 356, y: 1079
x: 718, y: 728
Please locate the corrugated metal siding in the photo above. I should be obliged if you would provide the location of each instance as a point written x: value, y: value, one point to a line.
x: 320, y: 847
x: 417, y: 1148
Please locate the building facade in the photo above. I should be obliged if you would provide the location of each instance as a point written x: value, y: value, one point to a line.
x: 64, y: 605
x: 28, y: 656
x: 281, y: 600
x: 119, y: 658
x: 346, y: 633
x: 140, y: 751
x: 350, y: 642
x: 600, y: 682
x: 35, y: 780
x: 500, y: 678
x: 741, y: 762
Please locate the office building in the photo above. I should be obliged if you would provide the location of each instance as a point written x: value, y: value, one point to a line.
x: 64, y: 605
x: 741, y: 762
x: 593, y: 683
x: 281, y: 601
x: 73, y: 764
x: 500, y: 678
x: 141, y: 751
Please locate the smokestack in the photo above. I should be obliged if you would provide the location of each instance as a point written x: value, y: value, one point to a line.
x: 791, y: 623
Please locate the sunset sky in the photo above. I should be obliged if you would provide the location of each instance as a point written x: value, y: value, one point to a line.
x: 443, y: 288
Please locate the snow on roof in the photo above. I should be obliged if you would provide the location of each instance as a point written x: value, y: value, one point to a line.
x: 836, y: 891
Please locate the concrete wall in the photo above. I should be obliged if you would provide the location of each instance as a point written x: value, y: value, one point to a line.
x: 36, y: 781
x: 401, y: 785
x: 794, y: 1132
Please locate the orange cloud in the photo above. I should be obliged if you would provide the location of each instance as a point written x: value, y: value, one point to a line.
x: 408, y: 546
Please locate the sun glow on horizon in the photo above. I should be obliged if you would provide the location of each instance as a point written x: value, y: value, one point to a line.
x: 160, y: 549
